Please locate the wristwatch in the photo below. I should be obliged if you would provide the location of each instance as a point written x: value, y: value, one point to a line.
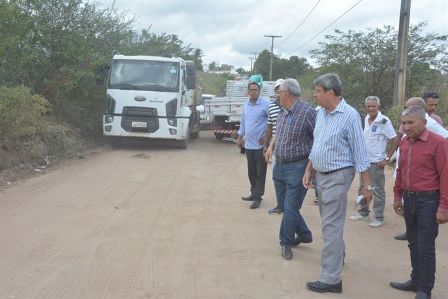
x: 370, y: 187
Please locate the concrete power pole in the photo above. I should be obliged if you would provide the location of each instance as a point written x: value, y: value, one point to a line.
x: 402, y: 53
x: 252, y: 59
x: 272, y: 52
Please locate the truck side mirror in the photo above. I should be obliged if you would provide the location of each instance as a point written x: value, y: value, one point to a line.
x: 101, y: 74
x: 191, y: 76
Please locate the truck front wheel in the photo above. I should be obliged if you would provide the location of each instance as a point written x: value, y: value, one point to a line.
x: 183, y: 144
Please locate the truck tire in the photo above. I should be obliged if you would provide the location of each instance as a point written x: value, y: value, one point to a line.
x: 115, y: 141
x: 195, y: 134
x: 183, y: 144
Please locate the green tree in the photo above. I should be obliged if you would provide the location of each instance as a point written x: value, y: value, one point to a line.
x: 365, y: 61
x: 294, y: 67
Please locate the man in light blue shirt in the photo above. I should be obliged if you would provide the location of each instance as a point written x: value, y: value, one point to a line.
x: 252, y: 128
x: 339, y: 150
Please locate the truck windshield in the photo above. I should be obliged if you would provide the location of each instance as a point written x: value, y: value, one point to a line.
x: 144, y: 75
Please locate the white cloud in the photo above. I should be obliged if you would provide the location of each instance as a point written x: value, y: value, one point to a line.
x: 229, y: 31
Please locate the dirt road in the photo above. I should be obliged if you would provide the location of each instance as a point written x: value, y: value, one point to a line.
x: 155, y: 222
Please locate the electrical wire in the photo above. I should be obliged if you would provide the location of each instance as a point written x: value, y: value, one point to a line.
x: 300, y: 24
x: 305, y: 43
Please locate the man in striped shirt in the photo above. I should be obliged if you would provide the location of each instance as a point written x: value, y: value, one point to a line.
x: 274, y: 109
x: 339, y: 150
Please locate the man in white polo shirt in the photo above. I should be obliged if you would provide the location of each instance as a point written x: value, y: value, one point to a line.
x: 378, y: 131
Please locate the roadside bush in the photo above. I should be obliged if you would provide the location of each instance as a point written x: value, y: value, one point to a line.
x: 213, y: 83
x: 21, y: 116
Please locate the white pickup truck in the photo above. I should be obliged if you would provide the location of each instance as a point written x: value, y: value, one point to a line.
x: 226, y: 111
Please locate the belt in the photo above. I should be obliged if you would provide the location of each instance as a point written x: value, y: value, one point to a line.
x: 287, y: 161
x: 331, y: 171
x: 420, y: 193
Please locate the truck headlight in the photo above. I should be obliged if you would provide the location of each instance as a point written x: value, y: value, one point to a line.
x: 108, y: 119
x: 172, y: 122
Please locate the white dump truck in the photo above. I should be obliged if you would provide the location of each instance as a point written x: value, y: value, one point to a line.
x: 226, y: 111
x: 152, y: 97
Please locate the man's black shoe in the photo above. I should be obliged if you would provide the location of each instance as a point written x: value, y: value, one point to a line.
x: 404, y: 286
x: 255, y: 204
x: 286, y: 252
x: 401, y: 237
x: 247, y: 198
x: 421, y: 295
x: 322, y: 287
x: 300, y: 239
x: 275, y: 210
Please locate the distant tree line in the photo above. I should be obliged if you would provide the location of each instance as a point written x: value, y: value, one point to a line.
x: 365, y: 61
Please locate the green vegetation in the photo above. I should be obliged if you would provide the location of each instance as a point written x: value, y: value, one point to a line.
x: 214, y: 83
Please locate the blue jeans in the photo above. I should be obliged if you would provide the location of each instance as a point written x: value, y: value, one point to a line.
x: 420, y: 215
x: 289, y: 190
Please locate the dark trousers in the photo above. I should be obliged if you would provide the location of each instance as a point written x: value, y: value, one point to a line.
x: 256, y: 170
x: 420, y: 211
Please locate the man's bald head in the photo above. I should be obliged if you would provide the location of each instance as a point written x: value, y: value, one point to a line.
x: 415, y: 101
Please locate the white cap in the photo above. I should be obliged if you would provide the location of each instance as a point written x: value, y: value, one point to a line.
x: 278, y: 82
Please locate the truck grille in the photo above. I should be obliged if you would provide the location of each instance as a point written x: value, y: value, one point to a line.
x: 140, y: 115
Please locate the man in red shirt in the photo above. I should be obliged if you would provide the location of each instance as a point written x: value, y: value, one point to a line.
x: 422, y: 182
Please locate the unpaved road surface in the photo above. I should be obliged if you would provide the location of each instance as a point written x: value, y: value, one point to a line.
x: 148, y: 221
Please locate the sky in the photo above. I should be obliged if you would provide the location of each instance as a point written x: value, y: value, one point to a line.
x: 229, y: 32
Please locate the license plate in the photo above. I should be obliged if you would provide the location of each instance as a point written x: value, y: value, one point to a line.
x: 139, y: 124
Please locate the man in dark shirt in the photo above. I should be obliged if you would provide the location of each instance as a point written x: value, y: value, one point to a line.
x: 422, y: 182
x: 292, y: 145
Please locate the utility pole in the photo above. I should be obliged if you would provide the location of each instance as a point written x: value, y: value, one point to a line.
x: 272, y: 52
x: 402, y: 53
x: 254, y: 59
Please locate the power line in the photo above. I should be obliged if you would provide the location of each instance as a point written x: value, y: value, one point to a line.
x: 300, y: 24
x: 304, y: 44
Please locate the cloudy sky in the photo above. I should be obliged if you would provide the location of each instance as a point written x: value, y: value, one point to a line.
x: 228, y: 31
